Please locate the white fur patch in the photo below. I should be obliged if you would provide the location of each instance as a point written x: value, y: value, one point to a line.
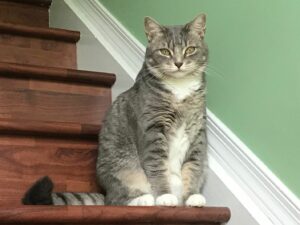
x: 167, y: 200
x: 179, y: 145
x: 144, y: 200
x: 196, y: 200
x: 183, y: 87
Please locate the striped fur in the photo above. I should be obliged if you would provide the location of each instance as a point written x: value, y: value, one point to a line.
x: 68, y: 198
x: 41, y: 194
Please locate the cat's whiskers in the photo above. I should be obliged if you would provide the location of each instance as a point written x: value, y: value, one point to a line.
x: 193, y: 74
x: 214, y: 71
x: 161, y: 73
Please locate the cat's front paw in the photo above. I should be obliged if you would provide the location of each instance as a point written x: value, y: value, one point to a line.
x: 167, y: 200
x: 196, y: 200
x: 144, y: 200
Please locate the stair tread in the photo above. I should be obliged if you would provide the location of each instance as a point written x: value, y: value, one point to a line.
x: 28, y: 127
x: 60, y: 74
x: 42, y: 3
x: 112, y: 214
x: 40, y: 32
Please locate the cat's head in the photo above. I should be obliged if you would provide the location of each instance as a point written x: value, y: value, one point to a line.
x: 176, y: 51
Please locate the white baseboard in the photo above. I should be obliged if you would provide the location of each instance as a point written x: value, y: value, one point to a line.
x: 264, y: 196
x: 256, y: 187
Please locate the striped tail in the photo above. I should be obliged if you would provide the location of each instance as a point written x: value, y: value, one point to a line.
x: 41, y: 194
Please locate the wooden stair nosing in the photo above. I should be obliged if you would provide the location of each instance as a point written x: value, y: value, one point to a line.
x: 40, y: 32
x: 112, y: 214
x: 41, y: 3
x: 53, y: 129
x: 57, y: 74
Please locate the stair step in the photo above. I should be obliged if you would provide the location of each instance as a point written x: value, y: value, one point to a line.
x: 30, y: 13
x: 46, y: 94
x: 92, y: 78
x: 70, y: 162
x: 49, y: 129
x: 39, y: 32
x: 41, y: 3
x: 113, y: 215
x: 38, y: 46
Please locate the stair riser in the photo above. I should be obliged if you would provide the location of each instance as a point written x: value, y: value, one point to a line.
x: 26, y: 99
x: 37, y: 51
x: 65, y: 153
x: 70, y: 163
x: 23, y: 14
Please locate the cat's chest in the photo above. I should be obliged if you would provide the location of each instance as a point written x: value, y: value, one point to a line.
x: 183, y: 87
x: 178, y: 146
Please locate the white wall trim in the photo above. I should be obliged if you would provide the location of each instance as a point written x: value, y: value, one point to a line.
x: 117, y: 40
x: 265, y: 197
x: 256, y: 187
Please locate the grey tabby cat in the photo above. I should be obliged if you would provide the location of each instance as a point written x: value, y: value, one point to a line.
x: 153, y: 143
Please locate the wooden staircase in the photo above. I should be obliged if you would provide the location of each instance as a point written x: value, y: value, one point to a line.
x: 50, y: 116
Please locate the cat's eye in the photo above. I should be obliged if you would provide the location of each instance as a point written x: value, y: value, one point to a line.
x: 165, y: 52
x: 190, y: 50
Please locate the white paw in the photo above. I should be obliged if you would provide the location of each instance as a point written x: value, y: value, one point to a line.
x: 167, y: 200
x: 144, y: 200
x: 196, y: 200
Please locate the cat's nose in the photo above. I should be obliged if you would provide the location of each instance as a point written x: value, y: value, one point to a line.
x: 178, y: 64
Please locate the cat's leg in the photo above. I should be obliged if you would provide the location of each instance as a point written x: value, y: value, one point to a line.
x: 120, y: 174
x: 194, y: 173
x: 137, y: 185
x: 155, y: 164
x: 193, y: 179
x: 128, y: 186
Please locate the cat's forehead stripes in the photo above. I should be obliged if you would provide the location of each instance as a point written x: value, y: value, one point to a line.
x: 176, y: 36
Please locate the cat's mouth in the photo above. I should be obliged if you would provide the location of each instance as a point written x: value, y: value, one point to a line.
x: 185, y: 71
x: 179, y: 73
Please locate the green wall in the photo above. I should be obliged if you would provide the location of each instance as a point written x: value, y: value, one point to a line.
x: 254, y: 74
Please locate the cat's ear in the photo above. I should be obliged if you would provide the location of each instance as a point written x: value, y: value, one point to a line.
x: 198, y: 25
x: 152, y: 28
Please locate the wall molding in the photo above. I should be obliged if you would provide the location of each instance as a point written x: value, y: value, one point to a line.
x: 123, y: 46
x: 265, y: 197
